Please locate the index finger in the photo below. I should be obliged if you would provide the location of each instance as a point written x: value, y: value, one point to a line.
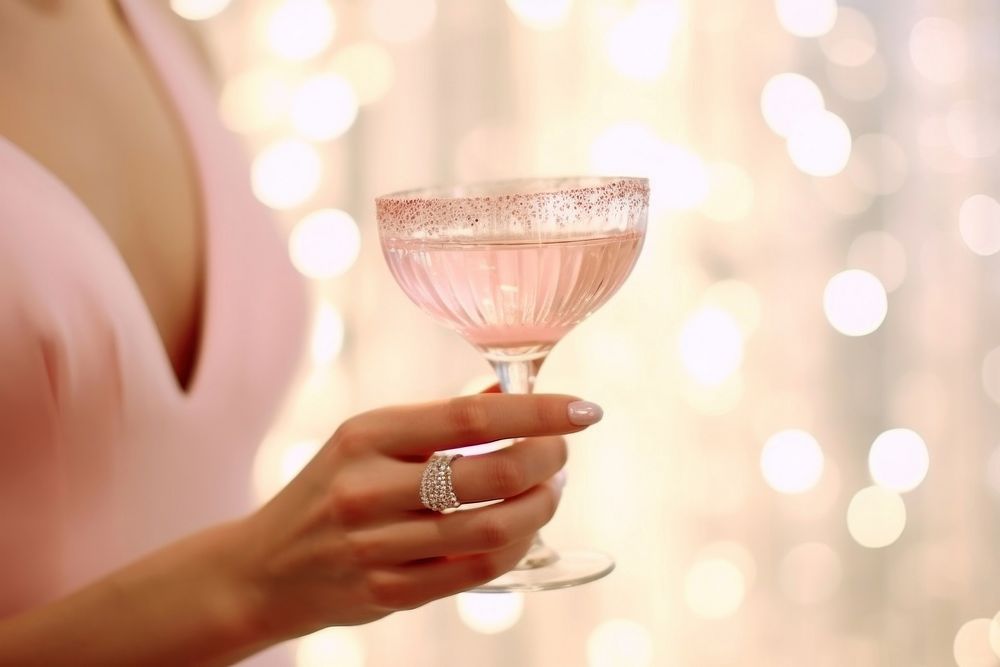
x: 419, y: 430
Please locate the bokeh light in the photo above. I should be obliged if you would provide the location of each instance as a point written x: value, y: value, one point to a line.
x: 979, y: 224
x: 711, y: 346
x: 852, y: 40
x: 678, y: 177
x: 327, y: 335
x: 880, y: 254
x: 876, y: 517
x: 714, y: 588
x: 368, y: 67
x: 878, y: 164
x: 731, y: 193
x: 806, y: 18
x: 898, y: 459
x: 855, y: 302
x: 620, y: 642
x: 973, y: 129
x: 325, y: 243
x: 810, y: 573
x: 198, y: 10
x: 286, y: 173
x: 489, y: 613
x: 300, y: 29
x: 994, y: 634
x: 860, y: 83
x: 541, y: 14
x: 938, y: 50
x: 991, y: 374
x: 820, y: 144
x: 639, y: 44
x: 791, y: 461
x: 738, y: 299
x: 787, y: 99
x: 972, y: 644
x: 277, y: 462
x: 331, y: 646
x: 254, y: 100
x: 324, y: 107
x: 401, y: 22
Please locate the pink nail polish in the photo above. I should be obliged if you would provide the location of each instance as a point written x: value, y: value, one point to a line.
x: 584, y: 413
x: 560, y: 479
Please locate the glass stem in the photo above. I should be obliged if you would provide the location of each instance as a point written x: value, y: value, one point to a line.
x: 518, y: 377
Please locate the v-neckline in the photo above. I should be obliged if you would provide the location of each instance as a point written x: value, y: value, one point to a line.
x: 159, y: 80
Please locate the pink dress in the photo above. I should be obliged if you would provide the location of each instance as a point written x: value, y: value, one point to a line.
x: 102, y: 455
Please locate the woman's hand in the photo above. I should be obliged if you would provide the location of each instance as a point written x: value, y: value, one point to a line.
x: 348, y: 541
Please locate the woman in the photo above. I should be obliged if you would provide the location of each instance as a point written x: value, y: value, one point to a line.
x: 149, y: 323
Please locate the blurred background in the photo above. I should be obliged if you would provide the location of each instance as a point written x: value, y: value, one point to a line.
x: 799, y: 462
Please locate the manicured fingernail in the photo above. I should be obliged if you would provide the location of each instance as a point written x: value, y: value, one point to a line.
x: 560, y: 479
x: 585, y: 413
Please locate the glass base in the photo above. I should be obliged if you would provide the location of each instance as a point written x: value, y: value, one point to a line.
x: 568, y: 568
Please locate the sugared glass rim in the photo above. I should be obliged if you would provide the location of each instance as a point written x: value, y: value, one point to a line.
x: 516, y: 188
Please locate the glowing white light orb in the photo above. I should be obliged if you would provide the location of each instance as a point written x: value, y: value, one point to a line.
x: 298, y: 30
x: 488, y: 613
x: 810, y: 573
x: 852, y: 41
x: 972, y: 644
x: 277, y: 462
x: 807, y: 18
x: 791, y: 461
x: 973, y: 129
x: 880, y: 254
x: 324, y: 107
x: 878, y: 164
x: 730, y: 193
x: 678, y: 177
x: 820, y: 144
x: 737, y: 298
x: 938, y: 50
x: 994, y: 635
x: 639, y: 44
x: 991, y: 374
x: 198, y: 10
x: 325, y: 243
x: 714, y: 588
x: 400, y: 22
x: 898, y: 460
x: 786, y: 99
x: 979, y: 224
x: 855, y: 302
x: 541, y: 14
x: 332, y: 646
x: 620, y: 642
x: 876, y: 517
x: 711, y: 346
x: 254, y: 100
x: 327, y: 336
x: 860, y: 83
x: 286, y: 173
x: 369, y: 69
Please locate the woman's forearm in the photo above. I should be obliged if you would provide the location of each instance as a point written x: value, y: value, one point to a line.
x: 182, y: 605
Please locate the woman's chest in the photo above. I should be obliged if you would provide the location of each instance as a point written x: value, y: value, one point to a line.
x: 92, y: 113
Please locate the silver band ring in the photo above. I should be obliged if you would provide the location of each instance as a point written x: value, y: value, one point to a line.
x: 436, y: 491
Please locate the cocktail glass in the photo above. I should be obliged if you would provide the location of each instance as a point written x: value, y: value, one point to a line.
x: 513, y: 266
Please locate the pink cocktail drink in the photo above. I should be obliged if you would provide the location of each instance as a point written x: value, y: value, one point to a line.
x: 513, y: 300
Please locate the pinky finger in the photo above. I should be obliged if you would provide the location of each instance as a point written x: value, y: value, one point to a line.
x: 412, y: 585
